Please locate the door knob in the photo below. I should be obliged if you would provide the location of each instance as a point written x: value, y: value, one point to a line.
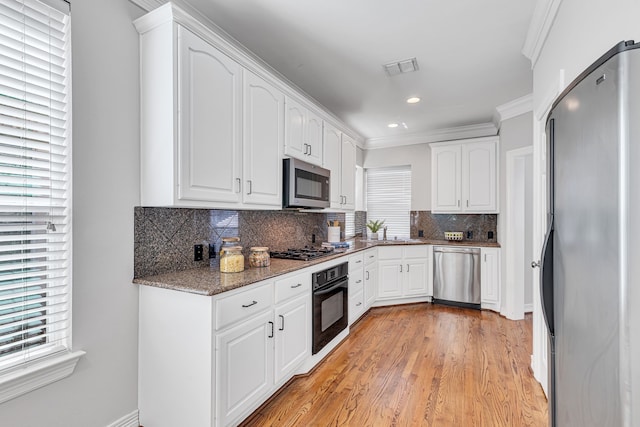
x: 535, y: 264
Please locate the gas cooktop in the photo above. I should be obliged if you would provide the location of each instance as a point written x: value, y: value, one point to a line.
x: 304, y: 254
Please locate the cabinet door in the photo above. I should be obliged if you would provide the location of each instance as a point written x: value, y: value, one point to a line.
x: 389, y: 279
x: 356, y: 306
x: 293, y: 336
x: 332, y: 147
x: 263, y: 138
x: 314, y: 139
x: 348, y: 173
x: 370, y: 284
x: 490, y: 278
x: 244, y: 367
x: 295, y: 120
x: 479, y: 176
x: 209, y: 121
x: 415, y: 277
x: 445, y: 176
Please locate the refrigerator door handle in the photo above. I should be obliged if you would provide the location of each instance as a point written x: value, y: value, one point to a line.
x: 546, y: 279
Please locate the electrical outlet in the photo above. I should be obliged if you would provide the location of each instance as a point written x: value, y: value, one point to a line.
x: 313, y: 238
x: 420, y: 233
x: 469, y: 234
x: 212, y: 251
x: 197, y: 252
x: 490, y: 235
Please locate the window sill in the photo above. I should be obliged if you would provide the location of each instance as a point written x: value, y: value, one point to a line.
x: 23, y: 380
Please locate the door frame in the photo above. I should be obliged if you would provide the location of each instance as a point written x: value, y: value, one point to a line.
x: 514, y: 257
x: 539, y: 358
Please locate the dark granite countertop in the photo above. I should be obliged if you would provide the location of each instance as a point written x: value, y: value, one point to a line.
x: 210, y: 281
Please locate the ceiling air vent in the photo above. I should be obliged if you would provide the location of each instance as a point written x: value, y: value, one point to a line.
x: 400, y: 67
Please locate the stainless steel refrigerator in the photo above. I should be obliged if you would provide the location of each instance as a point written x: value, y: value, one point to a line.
x: 590, y: 270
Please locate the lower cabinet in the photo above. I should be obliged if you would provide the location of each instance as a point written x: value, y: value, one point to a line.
x: 356, y: 287
x: 490, y: 278
x: 370, y: 284
x: 403, y: 272
x: 292, y: 336
x: 244, y: 367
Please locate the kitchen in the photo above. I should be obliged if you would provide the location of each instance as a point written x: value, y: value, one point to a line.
x: 104, y: 386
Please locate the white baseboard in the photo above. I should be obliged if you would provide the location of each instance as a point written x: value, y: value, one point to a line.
x: 129, y: 420
x: 528, y: 308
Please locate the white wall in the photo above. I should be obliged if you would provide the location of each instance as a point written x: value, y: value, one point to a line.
x: 580, y: 34
x: 419, y: 157
x: 106, y: 188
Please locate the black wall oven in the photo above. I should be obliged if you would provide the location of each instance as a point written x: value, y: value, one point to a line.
x: 330, y: 304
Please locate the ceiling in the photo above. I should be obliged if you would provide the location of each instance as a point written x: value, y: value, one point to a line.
x: 468, y: 53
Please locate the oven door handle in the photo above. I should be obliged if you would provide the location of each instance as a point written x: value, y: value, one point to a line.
x: 332, y: 288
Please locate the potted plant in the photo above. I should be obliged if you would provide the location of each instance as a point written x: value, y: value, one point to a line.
x: 373, y: 227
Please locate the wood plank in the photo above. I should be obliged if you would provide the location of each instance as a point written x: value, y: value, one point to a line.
x: 418, y: 365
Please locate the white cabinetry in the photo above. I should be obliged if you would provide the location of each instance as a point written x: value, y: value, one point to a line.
x: 356, y: 287
x: 204, y: 144
x: 370, y: 277
x: 262, y: 142
x: 464, y: 176
x: 303, y: 135
x: 403, y: 273
x: 490, y: 278
x: 340, y: 159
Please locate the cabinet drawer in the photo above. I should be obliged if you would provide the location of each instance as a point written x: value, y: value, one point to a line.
x: 356, y: 306
x: 356, y: 282
x: 416, y: 251
x: 370, y: 256
x: 356, y: 261
x: 292, y: 286
x: 243, y: 304
x: 390, y: 252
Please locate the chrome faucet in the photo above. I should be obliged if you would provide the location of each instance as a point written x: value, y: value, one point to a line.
x: 384, y: 233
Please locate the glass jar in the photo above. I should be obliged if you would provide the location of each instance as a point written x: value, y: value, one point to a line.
x: 259, y: 257
x: 231, y: 258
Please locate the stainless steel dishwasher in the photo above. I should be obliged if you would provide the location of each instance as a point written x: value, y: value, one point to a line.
x: 456, y: 276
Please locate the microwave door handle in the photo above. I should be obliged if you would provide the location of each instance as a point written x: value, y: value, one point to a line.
x: 331, y: 289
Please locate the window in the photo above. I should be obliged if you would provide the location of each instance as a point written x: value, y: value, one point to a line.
x: 35, y: 283
x: 349, y: 225
x: 389, y: 199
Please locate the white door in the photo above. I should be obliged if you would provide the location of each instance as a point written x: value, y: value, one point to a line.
x: 370, y: 284
x: 244, y: 367
x: 348, y: 173
x: 293, y: 335
x: 446, y: 184
x: 332, y: 147
x: 263, y: 139
x: 389, y: 279
x: 415, y: 277
x: 314, y: 139
x: 295, y: 118
x: 479, y: 177
x: 209, y: 122
x: 490, y: 278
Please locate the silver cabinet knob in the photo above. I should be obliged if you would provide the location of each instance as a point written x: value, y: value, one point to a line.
x: 535, y: 264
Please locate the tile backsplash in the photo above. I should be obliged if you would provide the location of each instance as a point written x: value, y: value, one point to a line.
x: 164, y: 237
x: 434, y: 225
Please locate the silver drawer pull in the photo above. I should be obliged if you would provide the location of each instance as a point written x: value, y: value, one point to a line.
x: 249, y: 305
x: 296, y: 286
x: 358, y: 281
x: 358, y: 261
x: 358, y: 304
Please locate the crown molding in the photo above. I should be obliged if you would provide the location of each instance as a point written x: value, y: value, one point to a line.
x: 446, y: 134
x: 148, y: 5
x: 515, y: 108
x: 539, y: 27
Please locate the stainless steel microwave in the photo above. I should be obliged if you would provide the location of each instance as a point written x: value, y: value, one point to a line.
x: 305, y: 185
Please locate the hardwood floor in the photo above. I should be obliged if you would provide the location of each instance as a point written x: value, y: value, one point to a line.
x: 418, y: 365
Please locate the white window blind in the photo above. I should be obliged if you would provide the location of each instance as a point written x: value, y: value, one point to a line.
x: 389, y: 199
x: 35, y: 285
x: 349, y: 224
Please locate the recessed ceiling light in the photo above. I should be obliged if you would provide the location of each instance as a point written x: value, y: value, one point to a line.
x: 413, y: 100
x: 393, y: 125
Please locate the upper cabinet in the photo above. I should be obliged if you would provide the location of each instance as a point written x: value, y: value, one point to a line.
x: 340, y: 159
x: 215, y: 123
x: 464, y: 176
x: 303, y: 133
